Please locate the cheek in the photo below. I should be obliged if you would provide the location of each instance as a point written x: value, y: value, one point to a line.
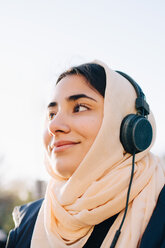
x: 89, y: 127
x: 46, y: 138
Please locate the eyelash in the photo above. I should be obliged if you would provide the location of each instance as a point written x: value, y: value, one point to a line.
x: 78, y: 106
x: 52, y: 114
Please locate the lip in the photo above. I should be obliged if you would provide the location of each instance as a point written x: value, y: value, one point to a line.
x: 63, y: 145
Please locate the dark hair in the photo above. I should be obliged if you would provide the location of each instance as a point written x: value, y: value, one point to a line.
x: 93, y: 73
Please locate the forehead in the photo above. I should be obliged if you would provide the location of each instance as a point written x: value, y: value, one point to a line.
x: 72, y: 84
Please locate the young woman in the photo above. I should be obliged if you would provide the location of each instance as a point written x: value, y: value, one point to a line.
x: 90, y: 167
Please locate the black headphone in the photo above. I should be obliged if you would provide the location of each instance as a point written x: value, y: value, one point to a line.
x: 136, y: 131
x: 135, y: 136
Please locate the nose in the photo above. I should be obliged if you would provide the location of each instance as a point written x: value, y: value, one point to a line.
x: 59, y: 124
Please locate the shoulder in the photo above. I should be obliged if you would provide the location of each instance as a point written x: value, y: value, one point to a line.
x: 24, y: 217
x: 154, y: 235
x: 161, y: 199
x: 26, y: 212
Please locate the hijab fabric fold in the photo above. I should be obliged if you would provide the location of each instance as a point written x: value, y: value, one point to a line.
x: 97, y: 190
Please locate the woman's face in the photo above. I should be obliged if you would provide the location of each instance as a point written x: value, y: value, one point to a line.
x: 74, y: 117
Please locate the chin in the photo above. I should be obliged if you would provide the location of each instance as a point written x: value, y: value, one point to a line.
x: 63, y: 170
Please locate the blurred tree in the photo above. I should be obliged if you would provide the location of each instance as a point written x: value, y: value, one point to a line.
x: 11, y: 194
x: 15, y: 193
x: 8, y: 200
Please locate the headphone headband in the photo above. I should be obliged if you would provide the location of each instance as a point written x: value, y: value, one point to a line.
x: 135, y: 129
x: 140, y: 104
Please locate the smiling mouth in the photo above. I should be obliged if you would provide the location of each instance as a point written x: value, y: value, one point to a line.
x: 62, y: 146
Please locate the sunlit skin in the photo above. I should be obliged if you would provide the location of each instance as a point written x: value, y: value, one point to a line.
x: 74, y: 117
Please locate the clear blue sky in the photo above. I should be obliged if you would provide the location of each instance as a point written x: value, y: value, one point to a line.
x: 39, y: 38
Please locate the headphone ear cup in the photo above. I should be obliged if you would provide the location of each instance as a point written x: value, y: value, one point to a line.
x: 135, y: 133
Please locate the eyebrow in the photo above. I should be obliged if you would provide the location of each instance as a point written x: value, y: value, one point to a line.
x: 72, y: 98
x: 76, y: 97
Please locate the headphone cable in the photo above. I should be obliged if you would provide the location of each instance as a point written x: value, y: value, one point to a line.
x: 117, y: 234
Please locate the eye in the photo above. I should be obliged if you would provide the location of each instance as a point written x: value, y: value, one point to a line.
x: 51, y: 116
x: 80, y: 108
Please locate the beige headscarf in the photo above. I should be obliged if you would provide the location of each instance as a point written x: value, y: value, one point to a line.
x: 97, y: 190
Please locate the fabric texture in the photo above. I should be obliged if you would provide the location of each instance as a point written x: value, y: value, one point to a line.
x: 153, y: 237
x: 97, y: 190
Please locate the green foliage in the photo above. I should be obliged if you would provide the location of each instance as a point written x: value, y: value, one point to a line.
x: 8, y: 200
